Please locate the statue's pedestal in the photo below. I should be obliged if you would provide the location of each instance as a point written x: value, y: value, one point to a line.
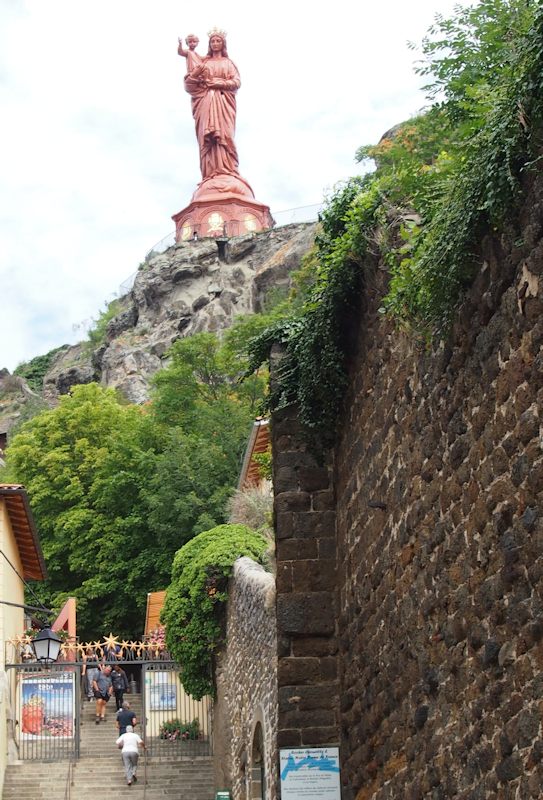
x: 221, y: 214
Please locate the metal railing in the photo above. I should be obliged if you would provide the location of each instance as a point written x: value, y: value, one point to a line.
x: 70, y: 774
x: 288, y: 217
x: 127, y: 285
x: 295, y: 215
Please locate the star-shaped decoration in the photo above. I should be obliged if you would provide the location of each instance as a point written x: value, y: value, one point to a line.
x: 143, y: 647
x: 111, y: 641
x: 124, y: 646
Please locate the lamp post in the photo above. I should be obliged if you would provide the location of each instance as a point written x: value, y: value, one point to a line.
x: 46, y: 645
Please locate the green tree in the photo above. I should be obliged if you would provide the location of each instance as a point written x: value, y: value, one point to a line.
x: 210, y: 416
x: 117, y: 489
x: 86, y: 467
x: 204, y: 372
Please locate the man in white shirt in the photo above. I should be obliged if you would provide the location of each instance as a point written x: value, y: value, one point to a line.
x: 128, y: 743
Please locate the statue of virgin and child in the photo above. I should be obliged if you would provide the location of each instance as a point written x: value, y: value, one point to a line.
x: 212, y: 82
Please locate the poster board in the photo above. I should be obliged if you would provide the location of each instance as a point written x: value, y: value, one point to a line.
x: 310, y: 773
x: 163, y: 697
x: 47, y: 706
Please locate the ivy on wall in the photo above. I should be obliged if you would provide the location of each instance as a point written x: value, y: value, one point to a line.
x: 200, y: 573
x: 441, y: 180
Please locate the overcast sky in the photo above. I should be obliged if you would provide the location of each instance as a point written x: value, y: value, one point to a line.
x: 97, y: 143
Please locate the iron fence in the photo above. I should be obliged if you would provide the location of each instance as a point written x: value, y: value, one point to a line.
x: 47, y: 710
x: 173, y: 723
x: 288, y: 217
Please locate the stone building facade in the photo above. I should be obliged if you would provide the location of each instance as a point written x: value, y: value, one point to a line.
x: 245, y: 725
x: 410, y: 567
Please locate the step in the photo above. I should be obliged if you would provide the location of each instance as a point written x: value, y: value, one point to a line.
x: 100, y: 765
x: 166, y: 778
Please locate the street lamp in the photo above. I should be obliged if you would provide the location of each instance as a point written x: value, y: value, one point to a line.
x: 46, y: 645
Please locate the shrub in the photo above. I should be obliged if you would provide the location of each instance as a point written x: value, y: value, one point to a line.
x: 34, y: 371
x: 201, y: 569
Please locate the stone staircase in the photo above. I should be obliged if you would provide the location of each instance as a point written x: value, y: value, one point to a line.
x: 100, y: 770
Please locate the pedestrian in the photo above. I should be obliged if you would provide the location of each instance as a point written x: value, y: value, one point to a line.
x: 90, y: 668
x: 120, y: 684
x: 103, y: 689
x: 125, y: 717
x: 128, y: 743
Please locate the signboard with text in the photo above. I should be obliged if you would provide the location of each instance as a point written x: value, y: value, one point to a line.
x: 310, y: 773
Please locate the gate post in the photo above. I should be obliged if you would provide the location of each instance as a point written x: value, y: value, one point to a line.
x: 143, y: 701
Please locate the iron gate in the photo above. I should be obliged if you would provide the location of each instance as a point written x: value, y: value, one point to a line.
x: 173, y: 723
x: 46, y: 708
x: 46, y: 711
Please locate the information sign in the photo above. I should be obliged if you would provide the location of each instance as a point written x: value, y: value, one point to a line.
x: 310, y: 773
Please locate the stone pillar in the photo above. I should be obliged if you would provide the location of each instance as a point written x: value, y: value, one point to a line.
x: 307, y: 593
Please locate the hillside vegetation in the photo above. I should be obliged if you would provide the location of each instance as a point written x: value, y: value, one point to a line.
x: 442, y: 180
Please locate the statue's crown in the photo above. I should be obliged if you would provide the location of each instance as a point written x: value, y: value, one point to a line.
x: 217, y: 30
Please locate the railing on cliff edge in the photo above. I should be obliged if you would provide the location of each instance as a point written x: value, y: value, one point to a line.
x: 289, y: 217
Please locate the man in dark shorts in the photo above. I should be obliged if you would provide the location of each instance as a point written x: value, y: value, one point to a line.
x: 103, y: 688
x: 125, y: 717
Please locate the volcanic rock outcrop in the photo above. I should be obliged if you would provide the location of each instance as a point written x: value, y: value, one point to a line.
x: 194, y: 286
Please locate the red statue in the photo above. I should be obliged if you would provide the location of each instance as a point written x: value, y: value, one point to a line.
x: 223, y: 195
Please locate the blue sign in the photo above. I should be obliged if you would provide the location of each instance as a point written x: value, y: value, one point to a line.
x: 310, y: 773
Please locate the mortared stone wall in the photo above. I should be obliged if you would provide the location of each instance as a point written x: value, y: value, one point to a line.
x: 410, y: 568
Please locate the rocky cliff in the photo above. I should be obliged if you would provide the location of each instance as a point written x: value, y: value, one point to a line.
x: 193, y: 287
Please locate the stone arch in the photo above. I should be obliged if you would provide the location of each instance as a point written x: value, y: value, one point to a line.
x: 258, y: 758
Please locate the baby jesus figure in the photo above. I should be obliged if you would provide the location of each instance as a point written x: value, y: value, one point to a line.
x: 193, y: 59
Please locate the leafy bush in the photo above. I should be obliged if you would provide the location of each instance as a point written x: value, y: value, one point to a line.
x: 96, y: 333
x: 201, y: 569
x: 34, y: 371
x: 264, y: 461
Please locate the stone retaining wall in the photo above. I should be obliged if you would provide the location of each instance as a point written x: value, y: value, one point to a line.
x: 246, y: 680
x: 438, y: 505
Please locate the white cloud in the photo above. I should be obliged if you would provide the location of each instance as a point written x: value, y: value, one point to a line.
x: 98, y: 145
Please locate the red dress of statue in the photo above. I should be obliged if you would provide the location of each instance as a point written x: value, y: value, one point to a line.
x: 224, y: 202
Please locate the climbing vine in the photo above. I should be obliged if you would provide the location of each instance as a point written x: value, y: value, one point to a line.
x: 200, y: 573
